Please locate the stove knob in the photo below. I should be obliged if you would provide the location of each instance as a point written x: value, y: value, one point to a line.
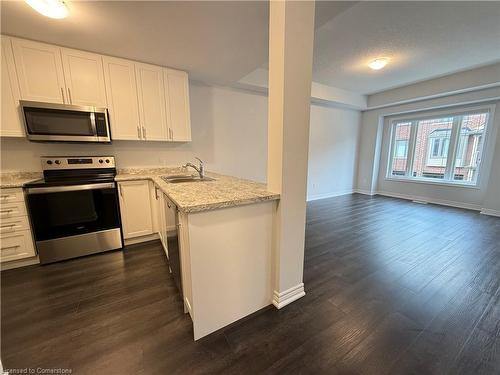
x: 49, y: 162
x: 107, y: 161
x: 100, y: 161
x: 58, y: 162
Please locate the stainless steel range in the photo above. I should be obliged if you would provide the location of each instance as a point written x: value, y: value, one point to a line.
x: 74, y: 209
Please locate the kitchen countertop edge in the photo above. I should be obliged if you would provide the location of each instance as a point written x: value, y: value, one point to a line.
x: 200, y: 207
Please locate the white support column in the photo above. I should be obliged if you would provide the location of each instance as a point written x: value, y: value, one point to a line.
x: 291, y: 37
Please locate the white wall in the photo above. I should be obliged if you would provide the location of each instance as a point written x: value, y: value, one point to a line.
x: 469, y: 80
x: 229, y: 129
x: 333, y: 148
x: 374, y: 144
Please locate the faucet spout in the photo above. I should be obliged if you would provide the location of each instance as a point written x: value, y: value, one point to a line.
x: 200, y: 169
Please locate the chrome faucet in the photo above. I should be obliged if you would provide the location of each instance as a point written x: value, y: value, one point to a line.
x: 200, y: 169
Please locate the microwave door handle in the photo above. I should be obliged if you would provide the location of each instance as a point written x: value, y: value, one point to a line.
x: 92, y: 124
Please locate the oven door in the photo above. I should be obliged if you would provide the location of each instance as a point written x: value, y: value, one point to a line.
x: 62, y: 211
x: 74, y: 220
x: 61, y: 122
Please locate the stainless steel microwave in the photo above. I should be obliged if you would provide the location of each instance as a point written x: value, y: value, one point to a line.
x: 65, y: 123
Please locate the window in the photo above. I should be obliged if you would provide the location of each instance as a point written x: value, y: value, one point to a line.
x: 401, y: 149
x: 400, y: 155
x: 445, y: 148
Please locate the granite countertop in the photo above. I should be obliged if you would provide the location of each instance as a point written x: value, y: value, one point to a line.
x: 225, y: 191
x: 17, y: 179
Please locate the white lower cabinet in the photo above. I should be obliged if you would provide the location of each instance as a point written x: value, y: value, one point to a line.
x: 16, y: 241
x: 136, y: 208
x: 16, y: 245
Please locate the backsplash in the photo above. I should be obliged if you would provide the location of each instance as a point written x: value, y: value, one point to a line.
x: 19, y: 154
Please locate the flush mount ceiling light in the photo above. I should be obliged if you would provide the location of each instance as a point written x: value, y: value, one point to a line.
x: 49, y: 8
x: 379, y: 63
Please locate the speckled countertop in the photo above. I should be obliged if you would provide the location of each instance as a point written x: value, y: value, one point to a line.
x: 225, y: 191
x: 17, y: 179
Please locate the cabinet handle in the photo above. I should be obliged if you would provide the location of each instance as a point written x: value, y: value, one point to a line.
x: 8, y: 226
x: 10, y: 247
x: 69, y: 96
x: 144, y: 132
x: 156, y: 193
x: 139, y: 132
x: 6, y: 211
x: 63, y: 98
x: 120, y: 189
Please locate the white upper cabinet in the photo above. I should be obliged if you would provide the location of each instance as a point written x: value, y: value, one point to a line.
x: 83, y: 74
x: 145, y: 102
x: 177, y: 102
x: 152, y: 114
x: 11, y: 122
x: 39, y: 71
x: 121, y: 92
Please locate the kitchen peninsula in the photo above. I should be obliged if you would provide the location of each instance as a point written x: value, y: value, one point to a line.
x: 224, y: 228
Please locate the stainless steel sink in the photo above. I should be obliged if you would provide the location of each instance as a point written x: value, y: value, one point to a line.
x: 175, y: 179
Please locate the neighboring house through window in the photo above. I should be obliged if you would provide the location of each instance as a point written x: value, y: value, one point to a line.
x: 445, y: 148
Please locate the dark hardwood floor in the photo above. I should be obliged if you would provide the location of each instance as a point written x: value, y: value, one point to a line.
x: 392, y: 287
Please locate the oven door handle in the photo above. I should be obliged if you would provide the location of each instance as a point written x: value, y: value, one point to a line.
x: 59, y: 189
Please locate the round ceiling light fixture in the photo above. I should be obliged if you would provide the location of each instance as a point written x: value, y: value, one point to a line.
x: 379, y: 63
x: 49, y: 8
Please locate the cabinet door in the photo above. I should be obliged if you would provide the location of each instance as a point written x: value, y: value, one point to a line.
x: 177, y: 99
x: 135, y: 207
x: 16, y: 245
x: 39, y: 71
x: 151, y: 102
x: 161, y: 217
x: 11, y: 123
x: 169, y: 212
x: 121, y: 92
x: 84, y: 77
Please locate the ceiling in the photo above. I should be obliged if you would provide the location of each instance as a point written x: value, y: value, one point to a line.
x: 423, y: 39
x: 221, y: 42
x: 214, y: 41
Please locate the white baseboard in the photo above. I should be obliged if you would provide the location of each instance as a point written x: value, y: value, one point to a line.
x: 281, y: 299
x: 19, y: 263
x: 329, y: 195
x: 489, y: 212
x: 420, y: 199
x: 365, y: 192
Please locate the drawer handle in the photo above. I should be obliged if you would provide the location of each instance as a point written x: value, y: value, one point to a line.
x: 5, y: 211
x: 8, y: 226
x: 10, y: 247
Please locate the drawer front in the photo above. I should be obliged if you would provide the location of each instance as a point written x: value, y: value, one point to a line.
x: 14, y: 224
x: 17, y: 245
x: 11, y: 195
x: 9, y: 210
